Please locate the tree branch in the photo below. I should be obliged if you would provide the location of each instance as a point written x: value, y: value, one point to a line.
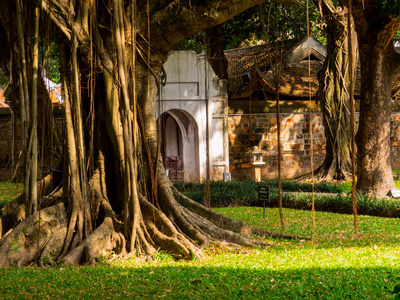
x: 177, y: 21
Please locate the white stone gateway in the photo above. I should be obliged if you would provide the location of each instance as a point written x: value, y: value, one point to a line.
x: 190, y: 87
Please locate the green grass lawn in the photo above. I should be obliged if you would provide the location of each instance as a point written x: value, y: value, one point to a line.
x: 336, y: 265
x: 9, y: 191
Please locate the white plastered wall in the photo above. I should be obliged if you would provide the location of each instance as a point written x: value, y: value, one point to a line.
x: 191, y: 83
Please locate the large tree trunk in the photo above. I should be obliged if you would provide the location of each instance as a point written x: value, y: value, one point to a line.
x: 379, y: 65
x: 374, y: 174
x: 334, y: 92
x: 115, y: 194
x: 215, y: 50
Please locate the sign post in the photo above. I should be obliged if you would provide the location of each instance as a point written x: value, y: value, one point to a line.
x: 264, y: 194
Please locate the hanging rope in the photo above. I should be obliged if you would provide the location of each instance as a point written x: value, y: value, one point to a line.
x: 352, y: 120
x: 276, y: 75
x: 207, y: 187
x: 153, y: 171
x: 310, y: 122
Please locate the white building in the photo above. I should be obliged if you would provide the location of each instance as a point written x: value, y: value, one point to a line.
x: 192, y: 89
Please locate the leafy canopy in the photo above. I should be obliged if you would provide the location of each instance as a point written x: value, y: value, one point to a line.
x: 246, y: 29
x: 389, y: 7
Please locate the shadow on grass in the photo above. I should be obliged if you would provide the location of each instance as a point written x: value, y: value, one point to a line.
x: 331, y: 231
x: 188, y: 282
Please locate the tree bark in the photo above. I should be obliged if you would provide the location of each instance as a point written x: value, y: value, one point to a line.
x: 215, y: 51
x: 379, y: 65
x: 334, y: 92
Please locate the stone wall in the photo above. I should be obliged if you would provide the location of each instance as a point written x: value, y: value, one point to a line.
x: 249, y: 130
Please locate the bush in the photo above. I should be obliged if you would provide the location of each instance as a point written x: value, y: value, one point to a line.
x: 245, y: 193
x: 232, y: 193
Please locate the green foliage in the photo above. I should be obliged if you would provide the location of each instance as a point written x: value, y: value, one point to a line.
x: 296, y: 195
x: 194, y: 43
x: 245, y: 29
x: 397, y: 36
x: 238, y: 193
x: 287, y: 21
x: 389, y: 7
x: 49, y: 59
x: 396, y: 290
x: 235, y: 193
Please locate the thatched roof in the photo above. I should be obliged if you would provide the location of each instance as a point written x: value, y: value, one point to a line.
x: 243, y: 61
x: 296, y: 80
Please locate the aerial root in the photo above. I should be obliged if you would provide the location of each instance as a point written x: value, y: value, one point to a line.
x: 100, y: 242
x: 144, y: 243
x: 179, y: 216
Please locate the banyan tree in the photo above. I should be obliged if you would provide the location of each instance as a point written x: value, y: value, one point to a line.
x: 113, y: 193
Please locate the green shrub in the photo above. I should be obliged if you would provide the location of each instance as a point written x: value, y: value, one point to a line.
x: 245, y: 193
x: 232, y: 193
x: 396, y: 290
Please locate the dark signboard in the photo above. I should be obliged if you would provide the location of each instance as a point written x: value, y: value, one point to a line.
x: 263, y: 193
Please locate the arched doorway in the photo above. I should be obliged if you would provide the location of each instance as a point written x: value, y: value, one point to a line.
x: 180, y: 145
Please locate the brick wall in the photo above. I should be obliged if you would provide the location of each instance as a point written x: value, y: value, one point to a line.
x: 247, y: 131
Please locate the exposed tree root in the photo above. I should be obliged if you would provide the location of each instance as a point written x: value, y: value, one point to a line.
x: 14, y: 211
x: 221, y: 221
x: 24, y: 243
x: 53, y: 248
x: 101, y: 241
x: 179, y: 225
x: 328, y: 172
